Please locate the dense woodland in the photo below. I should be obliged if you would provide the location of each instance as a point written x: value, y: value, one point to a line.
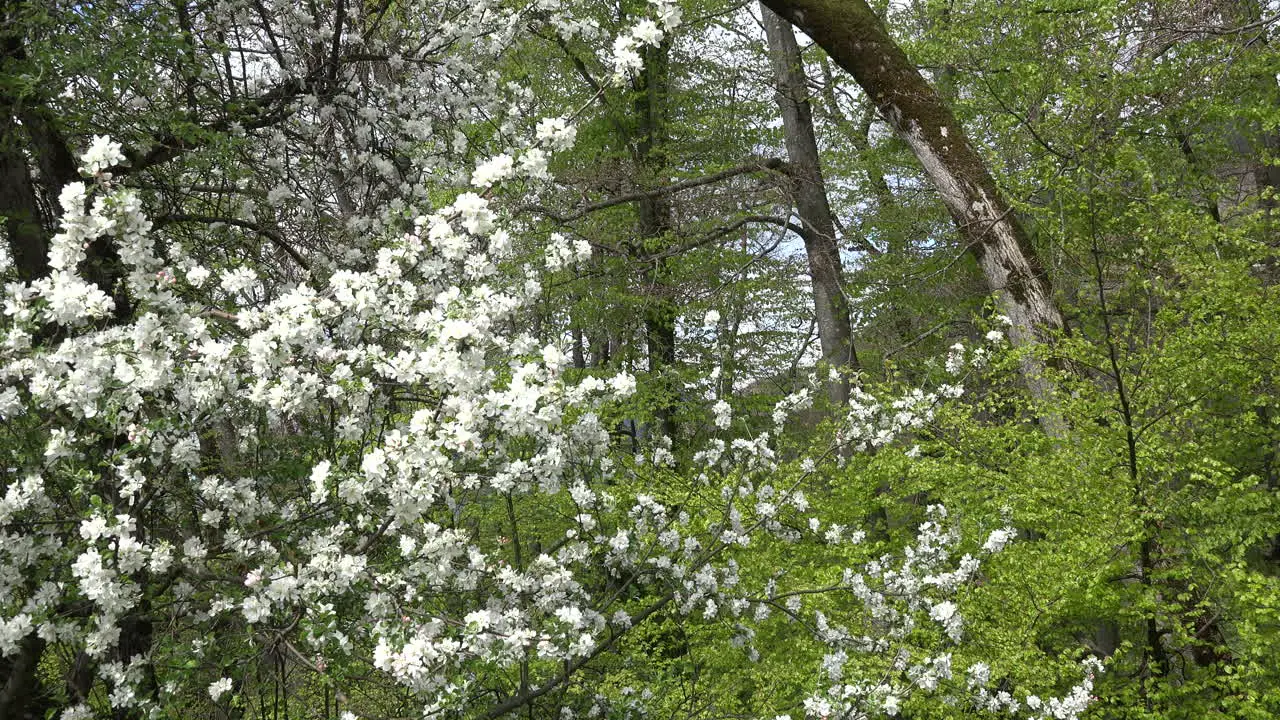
x: 681, y: 359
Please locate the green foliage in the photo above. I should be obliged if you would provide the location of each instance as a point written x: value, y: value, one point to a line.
x: 1135, y: 140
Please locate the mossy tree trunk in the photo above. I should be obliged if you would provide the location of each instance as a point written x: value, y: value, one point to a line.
x: 857, y: 40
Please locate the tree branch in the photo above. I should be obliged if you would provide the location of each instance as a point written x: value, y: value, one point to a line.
x: 773, y: 164
x: 572, y: 667
x: 275, y: 237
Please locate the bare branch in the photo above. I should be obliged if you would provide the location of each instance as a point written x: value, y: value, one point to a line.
x: 773, y: 164
x: 274, y: 236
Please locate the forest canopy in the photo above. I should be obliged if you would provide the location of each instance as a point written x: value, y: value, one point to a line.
x: 680, y: 359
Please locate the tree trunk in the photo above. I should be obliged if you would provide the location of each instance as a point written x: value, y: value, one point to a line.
x: 831, y: 308
x: 29, y: 133
x: 854, y: 36
x: 24, y: 227
x: 21, y: 694
x: 28, y: 245
x: 655, y: 221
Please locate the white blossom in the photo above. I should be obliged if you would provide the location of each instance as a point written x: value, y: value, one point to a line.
x: 556, y: 133
x: 997, y: 540
x: 723, y: 414
x: 218, y: 688
x: 103, y: 153
x: 493, y: 170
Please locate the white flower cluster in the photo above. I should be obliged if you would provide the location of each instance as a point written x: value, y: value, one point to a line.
x: 1070, y: 706
x: 893, y: 593
x: 626, y: 60
x: 556, y: 133
x: 319, y: 464
x: 892, y: 596
x: 218, y: 688
x: 723, y: 414
x: 168, y: 377
x: 492, y: 171
x: 801, y: 399
x: 70, y: 300
x: 961, y: 358
x: 873, y: 423
x: 103, y: 153
x: 561, y: 253
x: 552, y: 135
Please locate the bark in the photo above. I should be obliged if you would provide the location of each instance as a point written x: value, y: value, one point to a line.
x: 24, y: 226
x: 579, y: 349
x: 24, y: 229
x: 54, y: 160
x: 137, y: 633
x: 1267, y: 172
x: 655, y: 221
x: 854, y: 36
x: 21, y: 694
x: 831, y: 307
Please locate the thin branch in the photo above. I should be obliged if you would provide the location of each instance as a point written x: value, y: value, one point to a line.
x: 578, y: 64
x: 570, y: 668
x: 264, y: 110
x: 720, y: 232
x: 1210, y: 30
x: 919, y: 338
x: 774, y: 164
x: 1023, y: 122
x: 275, y: 237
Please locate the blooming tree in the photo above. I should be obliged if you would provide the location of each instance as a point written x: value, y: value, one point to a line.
x: 311, y: 476
x: 353, y: 462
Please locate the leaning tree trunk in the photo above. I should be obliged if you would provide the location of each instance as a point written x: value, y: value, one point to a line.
x: 831, y: 308
x: 854, y: 36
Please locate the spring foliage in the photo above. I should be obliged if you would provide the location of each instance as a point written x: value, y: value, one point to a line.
x: 330, y: 394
